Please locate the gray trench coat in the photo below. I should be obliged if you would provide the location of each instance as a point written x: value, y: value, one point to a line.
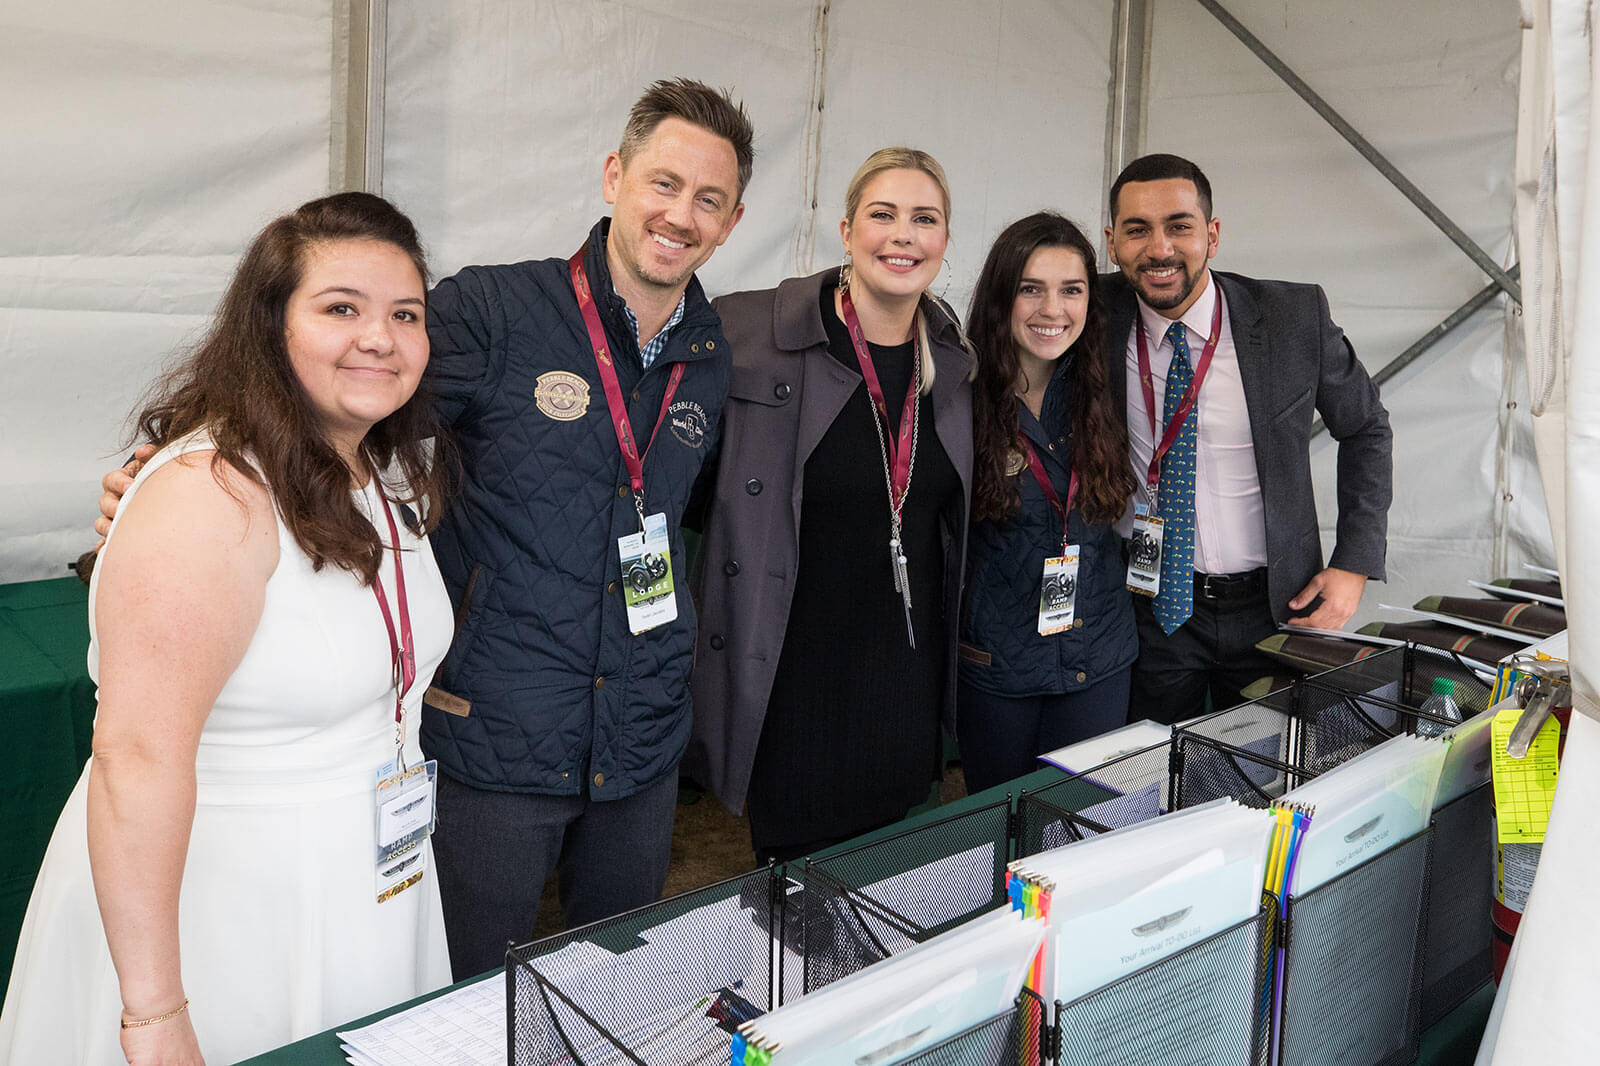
x: 784, y: 394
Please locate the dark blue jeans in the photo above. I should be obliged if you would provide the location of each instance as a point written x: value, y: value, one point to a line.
x: 495, y: 850
x: 1002, y: 736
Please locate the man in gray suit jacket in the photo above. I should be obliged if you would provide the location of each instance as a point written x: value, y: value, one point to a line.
x: 1226, y: 478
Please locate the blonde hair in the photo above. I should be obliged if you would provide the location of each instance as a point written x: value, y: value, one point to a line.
x: 899, y: 157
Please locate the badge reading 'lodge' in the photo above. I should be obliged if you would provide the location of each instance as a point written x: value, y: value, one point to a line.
x: 1015, y: 461
x: 689, y: 423
x: 561, y: 395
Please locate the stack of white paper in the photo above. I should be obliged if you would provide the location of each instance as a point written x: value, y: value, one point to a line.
x: 1125, y: 899
x: 1086, y: 754
x: 1378, y: 799
x: 909, y: 1002
x: 466, y: 1027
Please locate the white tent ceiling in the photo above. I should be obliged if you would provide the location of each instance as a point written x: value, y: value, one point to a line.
x: 152, y: 145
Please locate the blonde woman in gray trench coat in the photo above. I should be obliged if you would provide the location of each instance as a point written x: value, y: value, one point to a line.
x: 835, y: 524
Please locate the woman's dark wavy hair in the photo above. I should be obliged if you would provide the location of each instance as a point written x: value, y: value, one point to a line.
x: 1099, y: 437
x: 239, y: 385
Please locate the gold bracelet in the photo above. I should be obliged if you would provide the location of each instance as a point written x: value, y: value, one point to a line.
x: 142, y: 1022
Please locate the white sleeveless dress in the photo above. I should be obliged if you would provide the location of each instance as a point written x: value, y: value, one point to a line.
x: 280, y: 932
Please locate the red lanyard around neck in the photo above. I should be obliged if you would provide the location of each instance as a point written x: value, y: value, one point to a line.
x: 1175, y: 426
x: 1049, y: 490
x: 631, y: 457
x: 402, y: 649
x: 902, y: 446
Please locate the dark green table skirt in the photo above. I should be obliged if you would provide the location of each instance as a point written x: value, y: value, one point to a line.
x: 46, y: 718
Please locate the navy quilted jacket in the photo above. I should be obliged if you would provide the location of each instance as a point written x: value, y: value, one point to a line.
x: 544, y: 689
x: 1001, y: 650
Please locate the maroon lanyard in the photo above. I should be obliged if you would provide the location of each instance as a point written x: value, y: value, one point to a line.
x: 900, y: 446
x: 402, y: 650
x: 1049, y: 490
x: 1175, y: 426
x: 631, y: 457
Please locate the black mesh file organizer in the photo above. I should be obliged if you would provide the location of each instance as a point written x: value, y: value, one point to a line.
x: 1386, y: 689
x: 1458, y: 950
x: 1351, y: 986
x: 1254, y: 752
x: 930, y: 877
x: 1119, y: 792
x: 1258, y: 750
x: 1405, y: 675
x: 836, y: 930
x: 1201, y: 1005
x: 1017, y: 1037
x: 635, y: 989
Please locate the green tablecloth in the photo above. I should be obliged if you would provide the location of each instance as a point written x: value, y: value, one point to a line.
x: 46, y: 718
x: 1453, y: 1041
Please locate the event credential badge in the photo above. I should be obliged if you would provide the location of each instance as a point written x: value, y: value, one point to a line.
x: 647, y: 575
x: 405, y: 818
x: 1059, y: 593
x: 1144, y: 553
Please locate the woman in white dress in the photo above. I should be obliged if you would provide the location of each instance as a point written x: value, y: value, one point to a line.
x: 213, y: 878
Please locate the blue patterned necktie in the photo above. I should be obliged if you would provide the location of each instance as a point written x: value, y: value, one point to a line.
x: 1175, y: 602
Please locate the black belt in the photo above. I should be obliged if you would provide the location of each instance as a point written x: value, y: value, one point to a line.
x: 1225, y: 588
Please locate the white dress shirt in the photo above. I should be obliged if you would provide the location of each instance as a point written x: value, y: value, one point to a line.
x: 1230, y: 522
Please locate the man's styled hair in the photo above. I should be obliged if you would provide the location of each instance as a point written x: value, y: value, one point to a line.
x: 713, y: 110
x: 1161, y: 167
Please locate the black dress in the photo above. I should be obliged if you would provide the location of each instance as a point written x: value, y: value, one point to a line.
x: 851, y: 737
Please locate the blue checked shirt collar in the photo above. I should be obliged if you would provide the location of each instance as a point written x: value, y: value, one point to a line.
x: 648, y: 350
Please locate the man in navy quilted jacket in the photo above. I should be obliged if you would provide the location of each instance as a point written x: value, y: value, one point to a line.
x: 562, y: 711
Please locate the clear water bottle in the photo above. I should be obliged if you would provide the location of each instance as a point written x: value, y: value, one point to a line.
x: 1442, y: 702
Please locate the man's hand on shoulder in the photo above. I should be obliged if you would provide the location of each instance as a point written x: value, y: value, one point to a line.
x: 115, y: 485
x: 1341, y: 594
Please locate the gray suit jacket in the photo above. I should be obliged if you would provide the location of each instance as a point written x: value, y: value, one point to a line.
x: 1294, y: 360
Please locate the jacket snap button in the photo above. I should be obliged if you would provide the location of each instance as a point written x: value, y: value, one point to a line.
x: 694, y: 348
x: 600, y: 682
x: 1082, y: 676
x: 781, y: 391
x: 622, y: 492
x: 717, y: 642
x: 599, y: 779
x: 635, y: 395
x: 612, y: 588
x: 753, y: 486
x: 1077, y: 623
x: 731, y: 567
x: 711, y: 346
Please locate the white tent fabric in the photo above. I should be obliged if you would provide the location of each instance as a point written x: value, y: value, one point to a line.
x: 498, y: 123
x: 498, y: 117
x: 145, y: 142
x: 1544, y: 1011
x: 1432, y: 85
x: 161, y: 139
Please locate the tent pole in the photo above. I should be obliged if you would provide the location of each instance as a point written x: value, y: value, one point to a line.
x: 355, y: 140
x: 1478, y: 301
x: 1456, y: 234
x: 1128, y: 90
